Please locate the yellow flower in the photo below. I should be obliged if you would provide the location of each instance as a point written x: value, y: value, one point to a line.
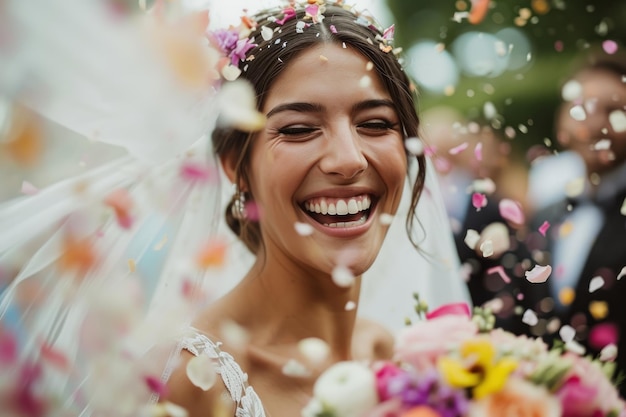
x: 477, y: 368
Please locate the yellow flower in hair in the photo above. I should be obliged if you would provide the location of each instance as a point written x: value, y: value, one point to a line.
x: 477, y: 368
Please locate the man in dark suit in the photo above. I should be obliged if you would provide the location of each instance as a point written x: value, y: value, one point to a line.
x: 586, y: 241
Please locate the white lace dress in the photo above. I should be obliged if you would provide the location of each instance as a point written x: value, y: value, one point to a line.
x: 236, y: 381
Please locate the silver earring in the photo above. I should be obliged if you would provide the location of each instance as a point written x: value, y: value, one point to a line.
x: 238, y: 208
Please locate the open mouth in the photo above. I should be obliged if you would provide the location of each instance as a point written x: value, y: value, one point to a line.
x: 340, y: 212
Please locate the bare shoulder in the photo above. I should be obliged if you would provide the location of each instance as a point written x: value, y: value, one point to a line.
x: 371, y: 340
x: 199, y: 403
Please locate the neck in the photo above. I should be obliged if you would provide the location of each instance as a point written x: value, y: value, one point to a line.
x: 281, y: 303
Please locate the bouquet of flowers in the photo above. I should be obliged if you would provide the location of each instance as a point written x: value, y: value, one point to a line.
x: 454, y: 364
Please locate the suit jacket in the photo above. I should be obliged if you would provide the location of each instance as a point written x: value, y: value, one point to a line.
x: 598, y: 314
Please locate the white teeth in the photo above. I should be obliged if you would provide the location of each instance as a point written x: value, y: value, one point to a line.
x: 342, y: 208
x: 339, y: 207
x: 359, y: 222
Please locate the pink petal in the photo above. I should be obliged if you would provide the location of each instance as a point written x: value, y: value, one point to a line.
x: 194, y: 171
x: 538, y: 274
x: 478, y: 151
x: 28, y: 188
x: 500, y: 271
x: 458, y: 309
x: 8, y: 348
x: 253, y: 211
x: 511, y: 210
x: 458, y: 149
x: 544, y: 227
x: 55, y: 357
x: 609, y: 46
x: 558, y: 46
x: 157, y: 386
x: 333, y: 29
x: 479, y: 201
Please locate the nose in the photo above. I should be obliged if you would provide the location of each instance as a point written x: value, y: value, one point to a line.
x: 343, y: 155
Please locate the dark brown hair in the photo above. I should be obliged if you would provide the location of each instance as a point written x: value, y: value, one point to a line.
x: 273, y: 56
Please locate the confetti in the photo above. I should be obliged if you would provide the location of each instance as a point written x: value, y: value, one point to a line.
x: 544, y: 227
x: 160, y: 244
x: 571, y: 90
x: 55, y: 357
x: 530, y: 318
x: 365, y: 81
x: 414, y: 145
x: 511, y: 210
x: 213, y: 253
x: 609, y: 46
x: 621, y: 273
x: 567, y: 333
x: 28, y: 188
x: 77, y: 254
x: 608, y: 353
x: 314, y: 349
x: 157, y: 386
x: 596, y: 283
x: 267, y: 33
x: 333, y: 29
x: 132, y: 266
x: 500, y: 271
x: 122, y: 205
x: 342, y: 276
x: 295, y: 369
x: 458, y: 149
x: 195, y: 171
x: 303, y: 229
x: 578, y: 113
x: 617, y: 119
x: 471, y: 238
x: 486, y: 248
x: 201, y: 372
x: 350, y: 305
x: 602, y: 144
x: 323, y: 58
x: 538, y: 274
x: 478, y: 151
x: 478, y: 11
x: 385, y: 219
x: 479, y: 201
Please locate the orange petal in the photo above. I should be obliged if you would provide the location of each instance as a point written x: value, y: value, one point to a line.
x: 122, y: 204
x: 78, y: 255
x: 478, y: 11
x: 26, y: 145
x: 212, y: 254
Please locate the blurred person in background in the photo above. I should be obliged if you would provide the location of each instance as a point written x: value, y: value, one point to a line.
x: 585, y: 241
x: 478, y: 174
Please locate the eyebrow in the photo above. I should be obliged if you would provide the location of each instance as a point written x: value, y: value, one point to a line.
x: 303, y: 107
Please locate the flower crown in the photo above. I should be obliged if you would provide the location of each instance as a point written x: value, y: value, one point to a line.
x: 235, y: 42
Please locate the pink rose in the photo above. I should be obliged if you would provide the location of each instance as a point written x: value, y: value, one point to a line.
x: 385, y: 372
x: 460, y: 309
x: 518, y: 398
x: 421, y: 343
x: 578, y: 399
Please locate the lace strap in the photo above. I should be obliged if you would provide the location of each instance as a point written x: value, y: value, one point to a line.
x: 235, y: 380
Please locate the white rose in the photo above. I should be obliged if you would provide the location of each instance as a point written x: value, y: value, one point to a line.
x: 348, y: 389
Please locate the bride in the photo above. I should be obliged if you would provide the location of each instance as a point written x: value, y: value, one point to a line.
x: 317, y: 188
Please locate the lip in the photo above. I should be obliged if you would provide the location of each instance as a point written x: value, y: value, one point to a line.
x: 347, y: 192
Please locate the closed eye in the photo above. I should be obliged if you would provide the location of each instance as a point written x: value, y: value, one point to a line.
x: 295, y: 131
x: 377, y: 126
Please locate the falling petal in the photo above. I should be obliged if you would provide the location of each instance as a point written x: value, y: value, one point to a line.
x: 478, y: 151
x: 571, y: 90
x: 500, y: 271
x: 28, y: 188
x: 575, y: 187
x: 538, y: 274
x: 295, y: 369
x: 486, y: 248
x: 608, y: 353
x: 323, y: 58
x: 8, y: 348
x: 621, y: 273
x: 54, y: 357
x: 414, y: 145
x: 458, y: 149
x: 173, y: 410
x: 156, y: 385
x: 574, y: 347
x: 253, y: 211
x: 132, y: 265
x: 212, y: 254
x: 471, y: 238
x: 196, y: 171
x: 267, y: 33
x: 342, y: 276
x: 479, y: 201
x: 567, y: 333
x: 478, y: 11
x: 201, y: 372
x: 160, y: 244
x: 77, y: 254
x: 596, y: 283
x: 484, y: 185
x: 314, y: 349
x: 234, y: 334
x: 609, y: 46
x: 578, y: 113
x: 303, y: 229
x: 333, y: 29
x: 544, y: 227
x: 26, y: 142
x: 617, y: 119
x: 238, y: 106
x: 365, y: 81
x: 230, y: 72
x: 350, y: 305
x: 602, y: 145
x: 450, y: 309
x: 489, y: 110
x: 530, y: 318
x: 385, y: 219
x: 511, y: 210
x: 122, y: 204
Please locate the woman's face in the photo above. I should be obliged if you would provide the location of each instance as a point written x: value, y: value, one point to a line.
x: 331, y: 157
x: 602, y: 93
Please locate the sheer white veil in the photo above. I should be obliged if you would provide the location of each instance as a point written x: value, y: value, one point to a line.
x: 146, y: 280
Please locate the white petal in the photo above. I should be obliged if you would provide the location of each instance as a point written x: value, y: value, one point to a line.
x: 617, y: 118
x: 596, y: 283
x: 567, y: 333
x: 314, y: 349
x: 414, y: 146
x: 530, y: 318
x: 342, y: 276
x: 471, y: 238
x: 201, y: 372
x: 295, y: 369
x: 385, y: 219
x: 608, y: 353
x: 303, y: 229
x: 267, y: 33
x: 538, y: 274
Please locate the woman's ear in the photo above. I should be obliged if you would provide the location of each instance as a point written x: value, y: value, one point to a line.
x: 229, y: 164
